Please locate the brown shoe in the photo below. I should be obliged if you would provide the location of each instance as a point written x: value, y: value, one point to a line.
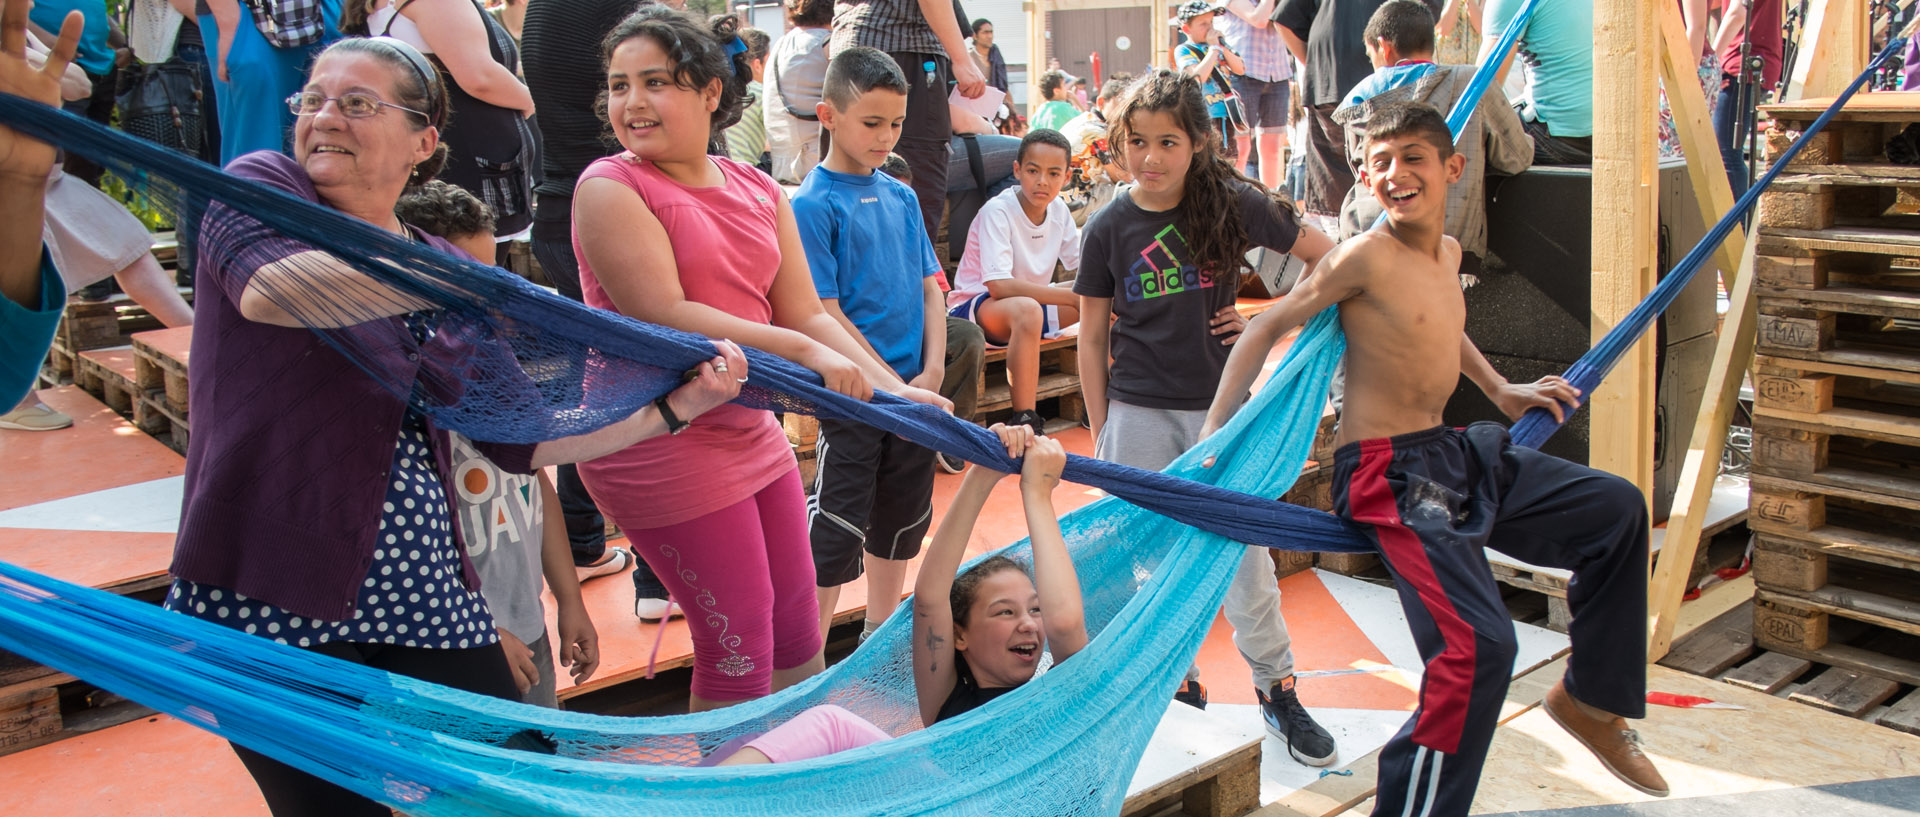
x: 1617, y: 747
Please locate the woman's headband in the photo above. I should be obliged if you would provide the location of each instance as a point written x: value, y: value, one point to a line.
x: 422, y: 69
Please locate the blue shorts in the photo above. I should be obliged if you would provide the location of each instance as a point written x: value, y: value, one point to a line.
x: 1266, y: 102
x: 967, y: 310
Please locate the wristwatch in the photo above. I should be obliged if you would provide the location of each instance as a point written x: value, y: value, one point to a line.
x: 675, y: 425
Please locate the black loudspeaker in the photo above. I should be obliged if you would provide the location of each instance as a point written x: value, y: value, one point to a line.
x: 1530, y: 310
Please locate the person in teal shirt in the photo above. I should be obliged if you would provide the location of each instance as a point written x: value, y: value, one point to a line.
x: 1057, y: 110
x: 31, y: 293
x: 1557, y: 45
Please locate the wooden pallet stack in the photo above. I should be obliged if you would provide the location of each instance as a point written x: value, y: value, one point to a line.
x: 1836, y: 452
x: 160, y: 373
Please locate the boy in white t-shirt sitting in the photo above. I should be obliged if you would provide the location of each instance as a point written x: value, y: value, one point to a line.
x: 1005, y: 279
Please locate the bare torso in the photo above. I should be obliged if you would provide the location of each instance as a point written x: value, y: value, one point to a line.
x: 1403, y: 337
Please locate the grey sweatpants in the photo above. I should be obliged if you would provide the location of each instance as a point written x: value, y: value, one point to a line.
x: 1151, y: 439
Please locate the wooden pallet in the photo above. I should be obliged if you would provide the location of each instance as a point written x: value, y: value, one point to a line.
x: 1724, y: 649
x: 160, y: 362
x: 1059, y: 378
x: 109, y: 375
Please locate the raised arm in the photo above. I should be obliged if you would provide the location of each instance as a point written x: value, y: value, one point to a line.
x: 25, y: 162
x: 1062, y: 613
x: 934, y: 674
x: 459, y: 38
x: 1340, y: 279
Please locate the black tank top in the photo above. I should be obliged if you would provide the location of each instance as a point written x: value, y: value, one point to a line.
x: 489, y: 148
x: 967, y: 694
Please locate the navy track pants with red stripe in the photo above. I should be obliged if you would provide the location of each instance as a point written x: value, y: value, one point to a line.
x: 1432, y: 500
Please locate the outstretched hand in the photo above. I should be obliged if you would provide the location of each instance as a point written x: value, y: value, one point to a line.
x: 1552, y: 393
x: 24, y: 158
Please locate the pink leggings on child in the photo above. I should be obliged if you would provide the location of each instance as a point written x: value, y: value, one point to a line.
x: 744, y: 576
x: 817, y: 732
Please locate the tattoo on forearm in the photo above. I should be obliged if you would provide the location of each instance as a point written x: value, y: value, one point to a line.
x: 934, y: 643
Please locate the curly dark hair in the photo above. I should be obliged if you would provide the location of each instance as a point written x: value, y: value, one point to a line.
x: 698, y: 54
x: 445, y: 210
x: 1209, y: 216
x: 811, y: 13
x: 966, y: 586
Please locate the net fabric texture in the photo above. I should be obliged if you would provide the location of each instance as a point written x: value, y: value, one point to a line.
x: 534, y: 366
x: 1065, y: 743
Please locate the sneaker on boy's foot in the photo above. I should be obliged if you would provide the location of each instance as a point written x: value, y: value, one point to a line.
x: 1031, y: 418
x: 949, y: 463
x: 1191, y: 693
x: 611, y: 562
x: 652, y: 611
x: 37, y: 417
x: 1306, y: 740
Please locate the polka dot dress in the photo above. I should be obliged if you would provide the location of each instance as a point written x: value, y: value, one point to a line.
x: 413, y: 595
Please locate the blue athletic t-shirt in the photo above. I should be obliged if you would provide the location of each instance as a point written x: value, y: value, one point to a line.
x: 1189, y: 54
x: 1557, y: 46
x: 867, y: 247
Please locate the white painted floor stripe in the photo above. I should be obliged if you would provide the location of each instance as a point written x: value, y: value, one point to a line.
x: 143, y: 507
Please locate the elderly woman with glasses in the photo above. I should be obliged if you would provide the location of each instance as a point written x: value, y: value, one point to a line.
x: 315, y: 508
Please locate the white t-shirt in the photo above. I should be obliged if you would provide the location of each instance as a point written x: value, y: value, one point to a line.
x: 501, y: 515
x: 1003, y: 244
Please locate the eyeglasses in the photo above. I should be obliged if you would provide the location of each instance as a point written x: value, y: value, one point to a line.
x: 353, y: 104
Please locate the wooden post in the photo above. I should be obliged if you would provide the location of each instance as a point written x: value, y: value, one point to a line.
x: 1708, y: 440
x: 1833, y: 49
x: 1162, y: 11
x: 1037, y: 43
x: 1625, y: 225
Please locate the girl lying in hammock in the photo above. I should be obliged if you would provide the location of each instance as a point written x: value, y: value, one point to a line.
x: 976, y: 636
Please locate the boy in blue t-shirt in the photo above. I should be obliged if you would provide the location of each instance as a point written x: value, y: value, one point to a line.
x: 872, y: 264
x: 1203, y: 52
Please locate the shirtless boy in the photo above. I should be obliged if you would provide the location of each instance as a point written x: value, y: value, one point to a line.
x: 1432, y: 497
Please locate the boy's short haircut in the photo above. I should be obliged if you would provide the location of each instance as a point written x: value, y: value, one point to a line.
x: 1043, y: 136
x: 897, y: 167
x: 1050, y: 82
x: 444, y: 210
x: 1407, y: 24
x: 757, y: 43
x: 1114, y: 87
x: 1392, y: 120
x: 856, y: 71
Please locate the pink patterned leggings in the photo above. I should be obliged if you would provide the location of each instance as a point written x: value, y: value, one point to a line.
x: 744, y: 576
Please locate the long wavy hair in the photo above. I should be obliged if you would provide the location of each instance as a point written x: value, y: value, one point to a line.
x: 1209, y: 215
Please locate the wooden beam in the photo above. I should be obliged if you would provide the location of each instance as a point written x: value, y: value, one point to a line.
x: 1162, y: 34
x: 1037, y: 43
x: 1704, y: 447
x: 1625, y: 227
x: 1833, y: 49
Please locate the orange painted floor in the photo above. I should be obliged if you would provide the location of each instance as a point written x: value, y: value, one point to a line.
x: 68, y: 496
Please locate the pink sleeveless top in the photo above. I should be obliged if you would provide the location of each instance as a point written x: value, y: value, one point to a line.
x: 726, y: 245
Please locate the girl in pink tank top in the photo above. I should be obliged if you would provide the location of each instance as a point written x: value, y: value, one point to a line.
x: 672, y: 236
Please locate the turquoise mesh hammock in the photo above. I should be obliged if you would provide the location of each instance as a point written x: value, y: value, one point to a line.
x: 1065, y: 743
